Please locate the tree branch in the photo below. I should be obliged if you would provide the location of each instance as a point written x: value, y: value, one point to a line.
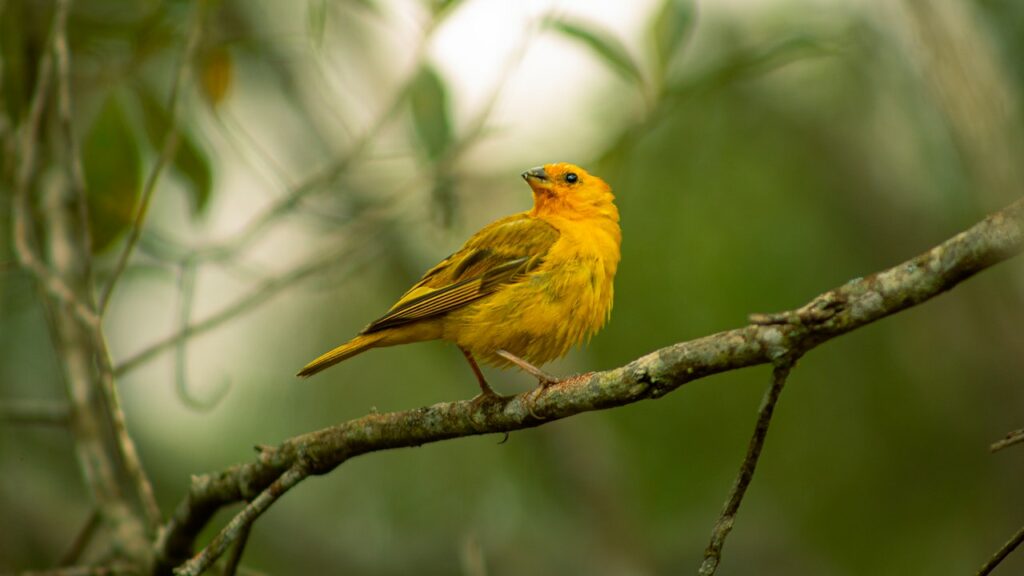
x: 240, y: 524
x: 1011, y: 438
x: 74, y: 158
x: 235, y: 559
x: 1002, y: 553
x: 82, y: 539
x: 713, y: 553
x: 82, y: 253
x: 76, y: 322
x: 21, y: 213
x: 767, y: 340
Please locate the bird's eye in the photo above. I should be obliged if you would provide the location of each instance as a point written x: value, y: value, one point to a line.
x: 571, y: 177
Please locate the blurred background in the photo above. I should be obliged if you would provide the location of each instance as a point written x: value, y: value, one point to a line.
x: 761, y: 152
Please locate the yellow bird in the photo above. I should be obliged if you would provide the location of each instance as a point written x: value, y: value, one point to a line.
x: 522, y: 290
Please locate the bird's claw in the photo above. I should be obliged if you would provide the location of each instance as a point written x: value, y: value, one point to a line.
x: 530, y: 399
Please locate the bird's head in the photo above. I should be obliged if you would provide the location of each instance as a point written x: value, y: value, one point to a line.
x: 568, y: 190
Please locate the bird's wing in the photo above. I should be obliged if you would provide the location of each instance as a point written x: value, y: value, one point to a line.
x: 498, y: 254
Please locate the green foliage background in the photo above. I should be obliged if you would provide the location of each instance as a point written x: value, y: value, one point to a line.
x: 759, y: 157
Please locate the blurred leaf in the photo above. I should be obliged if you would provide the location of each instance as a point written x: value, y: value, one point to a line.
x: 215, y: 73
x: 156, y: 33
x: 429, y: 101
x: 745, y: 63
x: 113, y: 174
x: 316, y: 21
x: 190, y: 161
x: 671, y: 27
x: 440, y: 6
x: 603, y: 44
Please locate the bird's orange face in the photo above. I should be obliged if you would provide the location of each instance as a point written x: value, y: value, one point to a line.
x: 567, y: 187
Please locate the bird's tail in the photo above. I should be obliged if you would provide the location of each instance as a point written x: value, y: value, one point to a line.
x: 347, y: 350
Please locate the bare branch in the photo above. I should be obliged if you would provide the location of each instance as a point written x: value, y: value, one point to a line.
x: 713, y: 553
x: 74, y: 159
x: 241, y: 523
x: 235, y: 559
x: 1011, y: 438
x: 82, y: 539
x: 1002, y: 553
x: 22, y: 219
x: 76, y: 321
x: 126, y: 446
x: 851, y: 306
x: 48, y: 413
x: 93, y: 329
x: 170, y: 147
x: 105, y: 451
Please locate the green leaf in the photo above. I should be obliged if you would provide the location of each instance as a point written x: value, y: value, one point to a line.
x: 440, y: 6
x: 113, y: 174
x: 428, y: 99
x: 671, y: 27
x: 602, y: 43
x: 190, y: 162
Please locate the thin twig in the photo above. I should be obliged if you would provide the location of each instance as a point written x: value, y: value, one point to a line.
x: 851, y: 306
x: 242, y: 521
x: 167, y: 152
x: 1002, y: 553
x: 82, y: 539
x: 129, y: 455
x: 235, y: 558
x: 22, y: 221
x: 186, y: 292
x: 1011, y: 438
x: 49, y: 413
x: 74, y: 158
x: 724, y: 524
x: 269, y: 288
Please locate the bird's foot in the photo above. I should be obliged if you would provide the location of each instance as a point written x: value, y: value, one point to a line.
x: 530, y: 401
x: 544, y: 379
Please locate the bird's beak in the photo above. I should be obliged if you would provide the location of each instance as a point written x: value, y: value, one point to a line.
x: 537, y: 173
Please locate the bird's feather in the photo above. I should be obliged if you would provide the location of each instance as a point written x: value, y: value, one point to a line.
x: 499, y: 254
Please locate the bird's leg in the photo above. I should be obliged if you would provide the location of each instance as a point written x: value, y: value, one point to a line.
x: 542, y: 376
x: 485, y: 390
